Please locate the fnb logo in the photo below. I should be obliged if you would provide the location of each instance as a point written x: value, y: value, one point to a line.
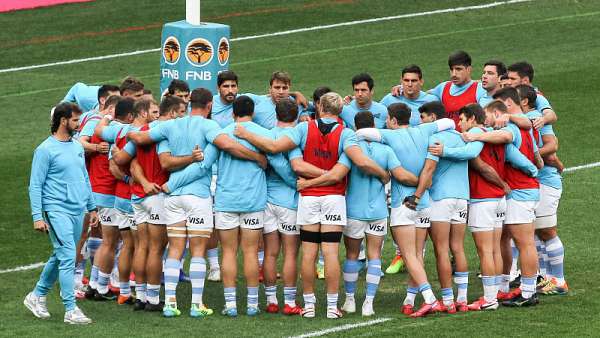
x: 333, y: 218
x: 196, y: 220
x: 223, y: 53
x: 251, y: 221
x: 376, y: 227
x: 171, y: 50
x: 199, y: 52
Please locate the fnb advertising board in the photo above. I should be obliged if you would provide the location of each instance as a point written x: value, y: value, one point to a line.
x: 194, y: 53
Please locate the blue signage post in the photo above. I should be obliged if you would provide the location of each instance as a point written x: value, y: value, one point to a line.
x: 194, y: 53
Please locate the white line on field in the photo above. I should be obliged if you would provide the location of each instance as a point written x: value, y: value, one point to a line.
x: 40, y: 264
x: 342, y: 328
x: 287, y: 32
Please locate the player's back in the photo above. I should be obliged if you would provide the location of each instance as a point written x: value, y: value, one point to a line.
x: 278, y: 191
x: 241, y: 184
x: 451, y: 177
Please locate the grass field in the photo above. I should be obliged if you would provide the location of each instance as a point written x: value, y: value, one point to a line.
x: 561, y: 38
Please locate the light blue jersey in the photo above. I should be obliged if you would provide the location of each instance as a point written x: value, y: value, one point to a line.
x: 485, y: 99
x: 85, y: 96
x: 414, y: 105
x: 281, y: 179
x: 222, y: 112
x: 521, y: 194
x: 458, y: 90
x: 241, y: 184
x: 451, y: 177
x: 378, y: 110
x: 179, y: 137
x: 264, y: 111
x: 410, y: 146
x: 548, y: 175
x: 59, y: 181
x: 541, y: 103
x: 365, y: 195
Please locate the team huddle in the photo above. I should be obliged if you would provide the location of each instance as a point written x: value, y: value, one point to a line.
x: 135, y: 187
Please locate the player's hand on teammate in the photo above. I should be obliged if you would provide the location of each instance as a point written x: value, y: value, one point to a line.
x: 348, y: 99
x: 397, y: 90
x: 103, y: 147
x: 165, y: 188
x: 197, y: 154
x: 262, y: 161
x: 93, y: 218
x: 468, y: 137
x: 437, y: 149
x: 539, y: 123
x: 40, y: 226
x: 411, y: 202
x: 114, y: 151
x: 240, y: 131
x: 151, y: 188
x: 501, y: 121
x: 507, y: 189
x: 301, y: 99
x: 301, y: 184
x: 385, y: 178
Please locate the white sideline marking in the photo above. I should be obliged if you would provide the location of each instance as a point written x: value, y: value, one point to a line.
x: 40, y: 264
x: 292, y: 31
x: 342, y: 328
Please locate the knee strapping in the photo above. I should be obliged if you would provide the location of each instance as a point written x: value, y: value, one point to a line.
x: 310, y: 236
x: 331, y: 237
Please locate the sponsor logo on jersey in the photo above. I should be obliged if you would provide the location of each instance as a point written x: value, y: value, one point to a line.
x: 171, y: 50
x: 333, y: 218
x: 223, y: 52
x: 196, y: 220
x: 376, y: 227
x: 199, y: 52
x: 288, y: 227
x: 251, y: 221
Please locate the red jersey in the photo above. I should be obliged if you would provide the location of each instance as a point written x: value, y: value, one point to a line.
x: 147, y: 157
x: 453, y: 103
x: 515, y: 178
x: 101, y: 180
x: 494, y: 156
x: 322, y: 152
x: 123, y: 189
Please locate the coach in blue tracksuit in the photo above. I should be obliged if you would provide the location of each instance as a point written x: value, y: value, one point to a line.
x: 60, y: 194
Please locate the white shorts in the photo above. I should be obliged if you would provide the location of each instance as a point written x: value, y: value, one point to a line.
x: 405, y: 216
x: 244, y: 220
x: 213, y: 185
x: 520, y: 212
x: 196, y: 211
x: 108, y: 216
x: 486, y: 215
x: 281, y: 219
x: 357, y: 229
x: 151, y: 210
x: 449, y: 210
x: 545, y: 212
x: 126, y: 221
x: 330, y: 209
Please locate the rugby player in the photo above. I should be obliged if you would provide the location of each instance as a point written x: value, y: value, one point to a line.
x: 90, y: 98
x: 362, y: 85
x: 521, y: 202
x: 179, y: 88
x: 60, y: 193
x: 321, y: 210
x: 410, y: 146
x: 490, y: 80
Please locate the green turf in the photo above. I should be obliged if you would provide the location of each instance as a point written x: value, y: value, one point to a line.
x: 561, y: 38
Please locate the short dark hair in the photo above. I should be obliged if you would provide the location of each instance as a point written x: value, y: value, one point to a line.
x: 473, y: 109
x: 434, y: 107
x: 226, y: 75
x: 508, y: 93
x: 243, y: 106
x: 527, y: 92
x: 178, y: 85
x: 500, y: 67
x: 286, y: 110
x: 124, y: 107
x: 504, y: 77
x: 459, y: 58
x: 401, y: 112
x: 168, y: 104
x: 66, y: 110
x: 320, y: 91
x: 281, y: 76
x: 105, y: 90
x: 364, y: 119
x: 523, y: 68
x: 412, y: 69
x: 131, y: 84
x: 497, y: 105
x: 142, y: 105
x: 112, y: 100
x: 200, y: 98
x: 363, y: 77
